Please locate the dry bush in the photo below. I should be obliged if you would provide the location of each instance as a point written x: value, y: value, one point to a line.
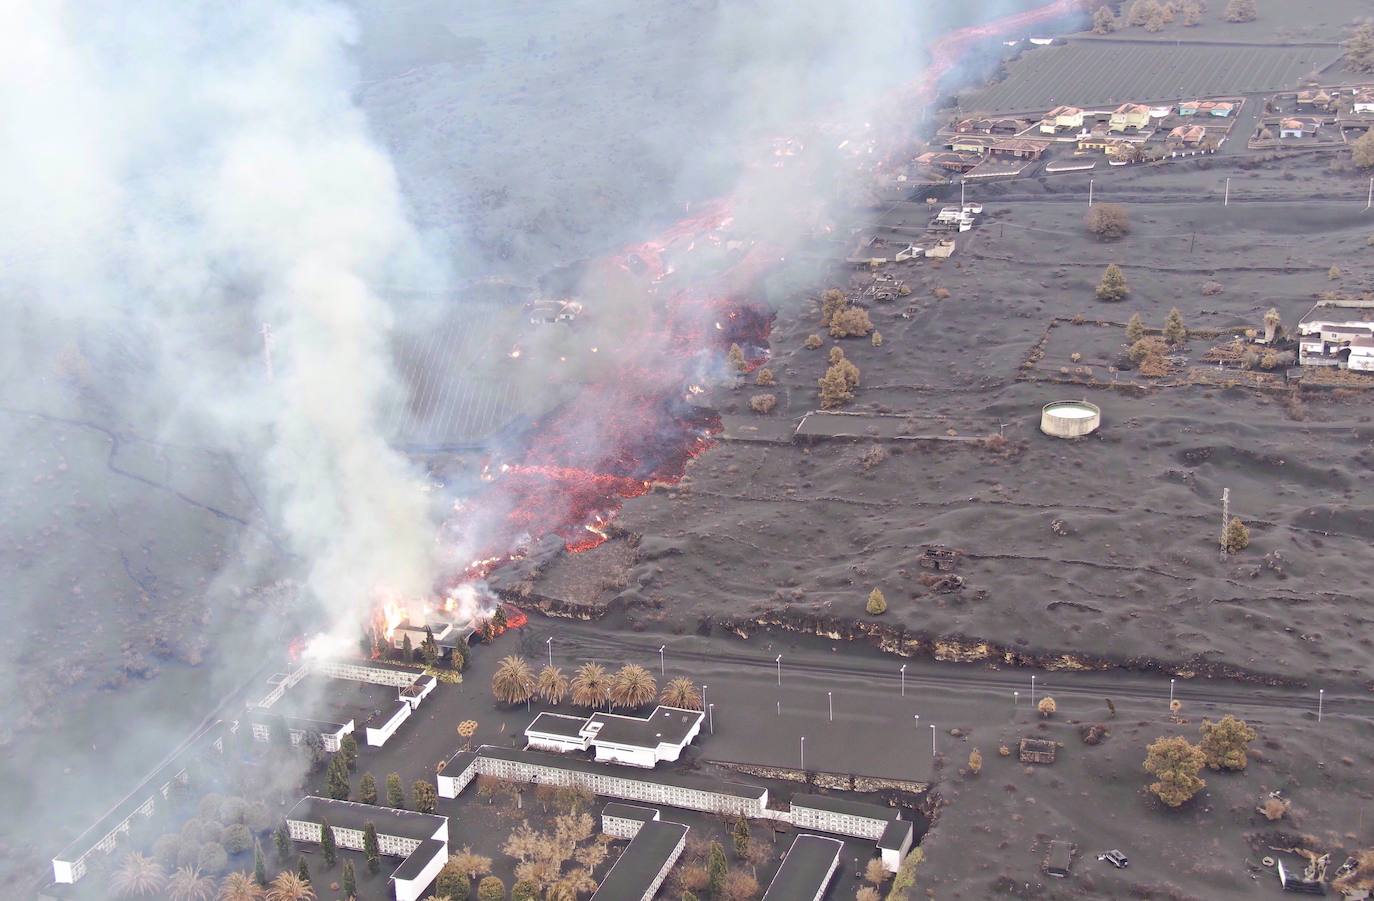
x: 832, y: 302
x: 1210, y: 288
x: 1108, y: 221
x: 877, y: 338
x: 764, y: 378
x: 740, y: 886
x: 812, y: 342
x: 1274, y: 809
x: 872, y: 457
x: 1093, y: 733
x: 1003, y: 751
x: 940, y: 293
x: 1150, y: 345
x: 851, y: 322
x: 975, y: 762
x: 763, y: 403
x: 1047, y: 707
x: 1154, y: 366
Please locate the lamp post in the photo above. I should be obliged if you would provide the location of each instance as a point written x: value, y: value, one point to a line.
x: 703, y: 692
x: 830, y: 695
x: 1032, y: 691
x: 779, y: 663
x: 803, y: 753
x: 1171, y: 694
x: 549, y: 641
x: 1090, y: 192
x: 711, y: 717
x: 1321, y: 697
x: 1016, y: 699
x: 661, y: 670
x: 932, y: 741
x: 903, y: 680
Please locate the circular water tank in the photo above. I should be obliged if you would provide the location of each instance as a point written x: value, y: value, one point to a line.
x: 1070, y: 418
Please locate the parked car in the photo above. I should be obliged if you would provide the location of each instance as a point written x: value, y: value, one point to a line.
x: 1115, y: 858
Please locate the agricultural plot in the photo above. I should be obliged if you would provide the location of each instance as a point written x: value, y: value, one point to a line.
x: 1098, y: 72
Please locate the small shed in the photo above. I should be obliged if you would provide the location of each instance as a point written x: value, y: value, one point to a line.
x: 1037, y: 750
x: 1059, y: 858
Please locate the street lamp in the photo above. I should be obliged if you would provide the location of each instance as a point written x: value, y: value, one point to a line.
x: 831, y: 696
x: 711, y: 717
x: 1171, y: 694
x: 779, y: 662
x: 1032, y: 691
x: 903, y: 680
x: 1321, y: 697
x: 703, y: 692
x: 661, y: 670
x: 549, y: 641
x: 1016, y: 698
x: 932, y: 741
x: 803, y: 754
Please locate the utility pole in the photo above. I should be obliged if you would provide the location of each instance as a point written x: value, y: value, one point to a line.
x: 267, y: 350
x: 1192, y: 243
x: 961, y: 194
x: 1225, y: 519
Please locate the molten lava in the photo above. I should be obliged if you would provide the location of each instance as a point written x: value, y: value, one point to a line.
x: 633, y: 426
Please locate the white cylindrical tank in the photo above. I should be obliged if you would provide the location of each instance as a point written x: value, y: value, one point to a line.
x: 1070, y: 418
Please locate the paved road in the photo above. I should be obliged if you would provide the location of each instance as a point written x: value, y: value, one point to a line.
x: 815, y: 658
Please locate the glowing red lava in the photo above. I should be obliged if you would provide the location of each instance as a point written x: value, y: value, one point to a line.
x: 634, y: 426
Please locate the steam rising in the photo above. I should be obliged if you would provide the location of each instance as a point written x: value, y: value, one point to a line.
x: 187, y: 173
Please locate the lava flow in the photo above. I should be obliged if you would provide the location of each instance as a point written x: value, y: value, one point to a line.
x: 633, y: 425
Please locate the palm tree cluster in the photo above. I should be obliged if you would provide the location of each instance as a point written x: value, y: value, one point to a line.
x: 630, y: 687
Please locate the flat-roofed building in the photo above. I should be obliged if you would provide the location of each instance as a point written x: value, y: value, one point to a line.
x: 623, y: 820
x: 627, y: 783
x: 807, y: 869
x: 830, y: 814
x: 894, y: 844
x: 420, y: 838
x: 644, y: 864
x: 636, y: 741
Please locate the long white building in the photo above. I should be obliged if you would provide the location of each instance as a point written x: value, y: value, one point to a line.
x: 420, y: 838
x: 627, y: 783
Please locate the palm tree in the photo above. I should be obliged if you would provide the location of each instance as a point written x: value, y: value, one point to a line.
x: 138, y: 877
x: 590, y: 685
x: 513, y: 682
x: 553, y: 685
x: 290, y: 887
x: 633, y: 686
x: 187, y: 884
x: 239, y: 887
x: 680, y: 692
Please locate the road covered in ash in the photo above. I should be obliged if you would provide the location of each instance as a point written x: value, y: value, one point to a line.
x: 761, y: 710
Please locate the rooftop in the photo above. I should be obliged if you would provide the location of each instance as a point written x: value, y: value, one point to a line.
x: 845, y: 806
x: 415, y: 864
x: 895, y: 835
x: 352, y: 815
x: 666, y: 725
x: 641, y: 862
x: 629, y: 812
x: 461, y: 760
x: 805, y: 869
x: 559, y: 724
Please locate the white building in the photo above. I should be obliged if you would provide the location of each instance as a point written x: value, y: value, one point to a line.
x: 627, y: 783
x: 379, y: 734
x: 828, y: 814
x: 644, y: 864
x: 623, y: 820
x: 894, y: 844
x: 265, y: 724
x: 635, y: 741
x: 1338, y: 334
x: 807, y: 869
x: 420, y: 838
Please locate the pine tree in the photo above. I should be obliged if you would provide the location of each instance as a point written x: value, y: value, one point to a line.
x: 740, y: 836
x: 395, y: 792
x: 717, y: 868
x: 407, y: 649
x: 877, y: 604
x: 336, y: 782
x: 371, y: 850
x: 423, y: 794
x: 1226, y: 744
x: 259, y: 865
x: 283, y: 839
x: 736, y: 358
x: 1113, y: 286
x: 1135, y: 328
x: 458, y: 657
x: 348, y: 746
x: 327, y: 845
x: 1103, y: 21
x: 1175, y: 332
x: 367, y: 789
x: 1359, y: 49
x: 499, y: 620
x: 303, y: 871
x: 429, y: 648
x: 1176, y: 762
x: 350, y: 880
x: 1362, y: 151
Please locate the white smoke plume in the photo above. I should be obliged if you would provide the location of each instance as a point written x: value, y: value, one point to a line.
x: 185, y: 172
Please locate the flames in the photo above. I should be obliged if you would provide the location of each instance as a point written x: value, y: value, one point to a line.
x: 633, y: 426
